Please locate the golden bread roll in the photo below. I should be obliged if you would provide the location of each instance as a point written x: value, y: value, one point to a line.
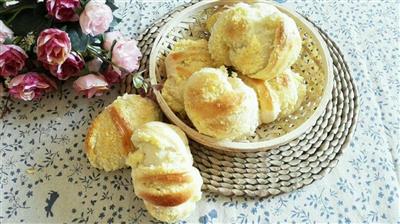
x: 257, y: 39
x: 162, y: 171
x: 107, y: 142
x: 291, y: 90
x: 220, y: 106
x: 279, y: 96
x: 186, y: 57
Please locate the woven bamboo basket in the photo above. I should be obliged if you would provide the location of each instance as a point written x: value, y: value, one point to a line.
x: 314, y: 64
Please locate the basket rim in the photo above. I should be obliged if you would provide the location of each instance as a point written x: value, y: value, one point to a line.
x: 244, y: 146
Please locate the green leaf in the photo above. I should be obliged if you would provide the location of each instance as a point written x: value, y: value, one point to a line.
x: 30, y: 19
x: 79, y: 40
x: 79, y: 10
x: 84, y: 2
x: 115, y: 22
x: 111, y: 4
x: 8, y: 41
x: 137, y: 82
x: 63, y: 28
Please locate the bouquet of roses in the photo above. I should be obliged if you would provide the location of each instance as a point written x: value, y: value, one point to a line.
x: 43, y: 43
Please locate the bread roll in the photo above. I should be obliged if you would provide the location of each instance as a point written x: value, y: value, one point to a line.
x: 107, y: 142
x: 257, y: 39
x: 291, y: 90
x: 162, y: 171
x: 186, y: 57
x: 279, y: 96
x: 220, y: 106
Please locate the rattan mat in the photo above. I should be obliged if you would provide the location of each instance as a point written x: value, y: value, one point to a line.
x: 285, y: 168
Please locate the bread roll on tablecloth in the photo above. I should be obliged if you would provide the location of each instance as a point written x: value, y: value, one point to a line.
x: 107, y: 142
x: 162, y: 171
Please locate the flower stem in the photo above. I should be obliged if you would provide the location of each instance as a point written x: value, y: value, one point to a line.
x: 5, y: 109
x: 15, y: 10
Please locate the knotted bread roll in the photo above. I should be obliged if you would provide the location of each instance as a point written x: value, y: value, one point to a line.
x: 279, y: 96
x: 257, y: 39
x: 186, y: 57
x: 220, y: 106
x: 162, y: 171
x: 107, y: 142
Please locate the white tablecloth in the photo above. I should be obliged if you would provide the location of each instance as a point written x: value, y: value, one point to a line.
x: 45, y: 176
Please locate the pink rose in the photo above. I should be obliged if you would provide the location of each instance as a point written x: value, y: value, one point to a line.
x: 112, y: 76
x: 30, y: 86
x: 5, y: 32
x: 91, y: 85
x: 53, y: 46
x: 12, y: 60
x: 95, y: 18
x: 109, y: 38
x: 71, y: 67
x: 63, y: 10
x: 94, y: 65
x: 126, y: 55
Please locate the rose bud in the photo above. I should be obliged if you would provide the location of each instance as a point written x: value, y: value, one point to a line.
x: 94, y: 65
x: 53, y: 46
x: 71, y: 67
x: 30, y: 86
x: 109, y: 38
x: 63, y: 10
x: 126, y: 55
x: 5, y: 32
x: 95, y: 18
x: 12, y: 60
x: 112, y: 76
x: 91, y: 85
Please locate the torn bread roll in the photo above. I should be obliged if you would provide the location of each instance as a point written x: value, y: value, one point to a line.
x: 257, y: 39
x: 279, y: 96
x: 220, y: 106
x: 268, y: 99
x: 107, y: 142
x: 162, y: 171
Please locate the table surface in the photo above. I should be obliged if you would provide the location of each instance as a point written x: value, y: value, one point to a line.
x: 45, y: 176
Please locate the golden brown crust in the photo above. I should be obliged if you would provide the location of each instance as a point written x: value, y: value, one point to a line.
x: 222, y: 106
x: 184, y: 62
x: 88, y: 147
x: 123, y: 129
x: 167, y: 200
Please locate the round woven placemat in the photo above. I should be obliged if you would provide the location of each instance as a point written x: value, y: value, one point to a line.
x: 285, y: 168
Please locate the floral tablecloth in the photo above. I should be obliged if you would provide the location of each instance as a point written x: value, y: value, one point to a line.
x: 45, y: 176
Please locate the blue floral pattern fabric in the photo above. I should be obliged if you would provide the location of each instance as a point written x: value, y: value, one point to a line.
x: 46, y: 178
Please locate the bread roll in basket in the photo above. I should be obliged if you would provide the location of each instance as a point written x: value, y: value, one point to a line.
x: 314, y: 65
